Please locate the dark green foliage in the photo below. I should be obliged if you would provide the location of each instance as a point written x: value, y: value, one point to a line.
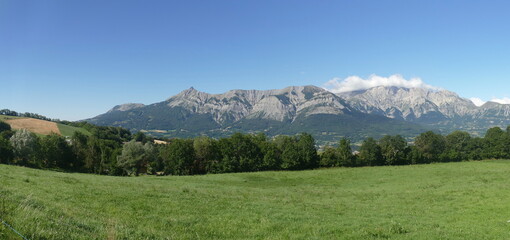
x: 8, y: 112
x: 476, y: 146
x: 307, y: 151
x: 344, y: 152
x: 79, y: 145
x: 95, y: 155
x: 339, y: 156
x: 240, y: 153
x: 207, y: 155
x: 370, y: 153
x: 6, y: 151
x: 179, y: 157
x: 116, y: 134
x: 141, y: 137
x: 431, y: 146
x: 109, y: 153
x: 290, y: 157
x: 457, y: 146
x: 497, y: 144
x: 36, y: 116
x: 393, y: 150
x: 56, y: 152
x: 414, y: 156
x: 4, y: 126
x: 329, y: 157
x: 156, y: 164
x: 297, y: 152
x: 272, y: 155
x: 7, y: 134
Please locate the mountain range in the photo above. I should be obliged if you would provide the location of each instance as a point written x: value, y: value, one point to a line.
x: 443, y: 110
x: 328, y: 116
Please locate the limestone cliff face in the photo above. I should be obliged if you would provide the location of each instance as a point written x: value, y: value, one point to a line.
x: 379, y: 110
x: 493, y: 113
x: 410, y: 103
x: 282, y: 104
x: 442, y: 109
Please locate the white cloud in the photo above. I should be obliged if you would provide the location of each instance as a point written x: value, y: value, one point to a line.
x: 354, y: 83
x: 477, y: 101
x: 504, y: 100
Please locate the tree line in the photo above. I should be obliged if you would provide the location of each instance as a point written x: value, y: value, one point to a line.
x: 8, y: 112
x: 115, y: 151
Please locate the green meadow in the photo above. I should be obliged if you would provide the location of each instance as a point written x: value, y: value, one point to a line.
x: 69, y: 131
x: 467, y: 200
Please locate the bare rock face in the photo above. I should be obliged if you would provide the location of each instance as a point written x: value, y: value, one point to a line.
x: 282, y: 104
x: 441, y: 109
x: 494, y: 113
x: 410, y: 103
x: 372, y: 112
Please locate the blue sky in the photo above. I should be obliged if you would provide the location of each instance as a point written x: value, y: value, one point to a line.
x: 77, y: 59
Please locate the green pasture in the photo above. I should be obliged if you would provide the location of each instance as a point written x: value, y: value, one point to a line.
x: 467, y: 200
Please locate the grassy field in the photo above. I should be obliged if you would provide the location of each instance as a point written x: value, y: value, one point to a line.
x: 469, y: 200
x: 67, y: 130
x: 62, y: 129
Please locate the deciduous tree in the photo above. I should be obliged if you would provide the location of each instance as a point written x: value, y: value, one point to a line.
x: 26, y: 147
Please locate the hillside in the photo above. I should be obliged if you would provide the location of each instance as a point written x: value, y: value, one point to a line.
x: 467, y: 200
x: 41, y: 127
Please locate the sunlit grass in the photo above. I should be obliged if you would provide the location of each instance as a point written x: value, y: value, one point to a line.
x: 67, y: 130
x: 468, y: 200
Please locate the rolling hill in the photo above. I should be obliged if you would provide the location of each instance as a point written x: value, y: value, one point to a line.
x: 41, y: 127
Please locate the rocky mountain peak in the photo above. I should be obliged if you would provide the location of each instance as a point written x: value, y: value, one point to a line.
x: 294, y: 107
x: 278, y: 104
x: 410, y: 103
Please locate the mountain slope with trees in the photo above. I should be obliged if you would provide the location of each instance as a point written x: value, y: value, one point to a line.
x: 286, y: 111
x: 327, y: 116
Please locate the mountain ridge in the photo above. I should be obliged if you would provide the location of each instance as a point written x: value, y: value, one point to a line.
x: 358, y: 114
x: 289, y: 110
x: 442, y: 108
